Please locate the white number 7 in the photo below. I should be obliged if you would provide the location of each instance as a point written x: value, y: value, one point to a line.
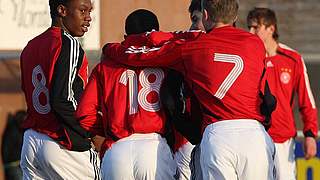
x: 232, y: 76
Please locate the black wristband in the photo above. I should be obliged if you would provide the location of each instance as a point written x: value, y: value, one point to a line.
x: 309, y: 134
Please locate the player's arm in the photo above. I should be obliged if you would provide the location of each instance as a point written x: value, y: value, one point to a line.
x: 66, y: 88
x: 167, y: 55
x: 307, y: 106
x: 159, y: 38
x: 308, y: 111
x: 89, y: 111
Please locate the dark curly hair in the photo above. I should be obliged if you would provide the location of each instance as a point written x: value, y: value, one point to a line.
x: 140, y: 21
x: 54, y: 5
x: 195, y: 5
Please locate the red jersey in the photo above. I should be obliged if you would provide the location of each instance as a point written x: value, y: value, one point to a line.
x: 287, y: 75
x: 54, y: 71
x: 119, y: 101
x: 223, y: 68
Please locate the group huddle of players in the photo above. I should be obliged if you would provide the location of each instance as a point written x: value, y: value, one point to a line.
x: 212, y: 102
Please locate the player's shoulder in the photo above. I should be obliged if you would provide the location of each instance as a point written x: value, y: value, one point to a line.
x: 251, y: 41
x: 251, y: 38
x: 289, y: 52
x: 45, y: 39
x: 107, y: 64
x: 50, y: 33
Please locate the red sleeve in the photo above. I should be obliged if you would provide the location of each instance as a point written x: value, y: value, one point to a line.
x: 88, y: 109
x: 307, y: 106
x: 158, y: 38
x: 167, y: 55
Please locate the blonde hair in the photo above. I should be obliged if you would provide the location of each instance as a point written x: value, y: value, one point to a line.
x: 225, y: 11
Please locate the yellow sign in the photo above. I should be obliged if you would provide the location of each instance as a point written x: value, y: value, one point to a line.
x: 304, y: 165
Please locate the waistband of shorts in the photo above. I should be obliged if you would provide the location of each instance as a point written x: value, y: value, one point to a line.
x: 31, y: 133
x: 235, y: 124
x: 140, y: 136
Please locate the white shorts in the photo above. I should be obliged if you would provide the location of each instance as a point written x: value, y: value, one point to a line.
x: 237, y: 150
x: 139, y: 156
x: 183, y: 159
x: 43, y: 158
x: 285, y: 160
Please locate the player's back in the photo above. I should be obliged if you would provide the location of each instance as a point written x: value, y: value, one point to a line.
x: 225, y: 67
x: 131, y: 102
x: 37, y: 63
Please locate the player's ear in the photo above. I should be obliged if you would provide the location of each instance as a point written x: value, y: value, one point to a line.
x: 272, y: 28
x: 235, y: 19
x: 62, y: 10
x: 205, y: 15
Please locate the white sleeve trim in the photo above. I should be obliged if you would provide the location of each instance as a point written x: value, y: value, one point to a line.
x: 74, y: 58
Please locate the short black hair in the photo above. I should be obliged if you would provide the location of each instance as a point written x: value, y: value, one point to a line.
x: 195, y: 5
x: 264, y: 16
x: 54, y: 5
x: 140, y: 21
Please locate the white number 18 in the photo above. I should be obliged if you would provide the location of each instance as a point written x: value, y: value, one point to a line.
x: 140, y: 98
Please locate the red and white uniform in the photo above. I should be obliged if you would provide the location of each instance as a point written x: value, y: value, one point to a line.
x: 54, y: 71
x: 127, y: 98
x: 224, y: 70
x: 131, y: 119
x: 287, y: 75
x: 37, y: 69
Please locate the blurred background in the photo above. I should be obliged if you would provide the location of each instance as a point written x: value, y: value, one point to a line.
x: 21, y: 20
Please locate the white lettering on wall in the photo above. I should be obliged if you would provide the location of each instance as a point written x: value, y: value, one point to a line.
x: 22, y: 20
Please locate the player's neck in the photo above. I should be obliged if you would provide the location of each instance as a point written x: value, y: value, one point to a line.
x: 57, y: 22
x: 271, y: 47
x: 220, y: 24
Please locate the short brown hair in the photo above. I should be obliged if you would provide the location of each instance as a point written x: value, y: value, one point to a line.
x: 224, y: 11
x: 264, y: 16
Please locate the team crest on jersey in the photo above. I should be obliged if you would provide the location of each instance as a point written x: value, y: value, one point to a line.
x: 269, y: 64
x: 285, y: 76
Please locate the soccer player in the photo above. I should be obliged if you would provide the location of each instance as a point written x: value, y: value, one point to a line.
x: 182, y: 147
x: 54, y: 72
x: 224, y: 68
x: 287, y: 76
x: 132, y: 122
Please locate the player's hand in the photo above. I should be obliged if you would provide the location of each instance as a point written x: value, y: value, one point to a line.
x: 310, y: 147
x: 97, y: 142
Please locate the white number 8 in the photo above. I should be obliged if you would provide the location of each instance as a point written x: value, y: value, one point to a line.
x: 40, y: 87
